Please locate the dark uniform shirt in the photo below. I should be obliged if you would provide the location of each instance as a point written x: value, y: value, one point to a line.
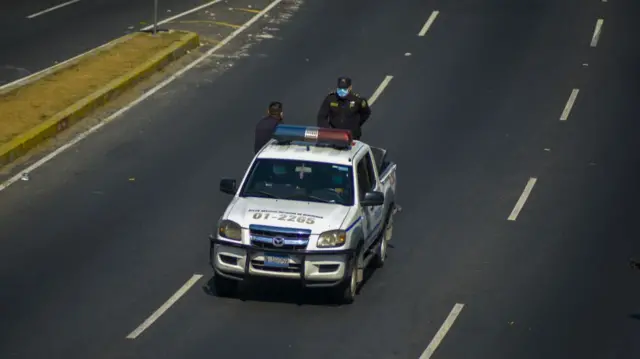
x: 348, y: 113
x: 264, y: 131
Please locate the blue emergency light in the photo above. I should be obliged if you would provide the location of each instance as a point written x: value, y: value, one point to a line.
x: 286, y: 134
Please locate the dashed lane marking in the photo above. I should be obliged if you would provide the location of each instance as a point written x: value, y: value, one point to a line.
x: 427, y: 25
x: 444, y: 329
x: 569, y: 105
x: 523, y: 199
x: 171, y: 301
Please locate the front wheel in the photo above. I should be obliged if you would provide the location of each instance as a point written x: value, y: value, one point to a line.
x: 346, y: 292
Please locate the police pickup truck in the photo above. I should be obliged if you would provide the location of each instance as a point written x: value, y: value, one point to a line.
x: 315, y: 206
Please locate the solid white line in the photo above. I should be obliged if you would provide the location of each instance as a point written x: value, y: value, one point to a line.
x: 567, y: 108
x: 444, y: 328
x: 174, y: 298
x: 596, y: 32
x: 146, y: 95
x: 379, y: 90
x: 523, y: 199
x: 429, y: 22
x: 52, y: 8
x: 182, y: 14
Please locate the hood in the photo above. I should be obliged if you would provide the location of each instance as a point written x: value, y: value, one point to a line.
x: 318, y: 217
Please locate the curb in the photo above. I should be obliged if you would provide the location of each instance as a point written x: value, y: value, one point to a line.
x: 64, y: 119
x: 61, y: 65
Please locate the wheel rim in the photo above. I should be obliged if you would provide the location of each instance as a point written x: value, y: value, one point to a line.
x: 354, y: 282
x: 383, y: 249
x: 389, y: 229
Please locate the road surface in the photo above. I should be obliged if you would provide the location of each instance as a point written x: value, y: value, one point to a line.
x: 521, y: 212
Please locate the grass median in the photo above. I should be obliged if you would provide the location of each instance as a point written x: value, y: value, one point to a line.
x: 29, y: 106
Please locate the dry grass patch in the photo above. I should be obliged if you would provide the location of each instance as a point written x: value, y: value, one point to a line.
x: 30, y: 105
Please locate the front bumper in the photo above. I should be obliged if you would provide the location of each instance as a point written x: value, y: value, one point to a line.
x: 313, y: 268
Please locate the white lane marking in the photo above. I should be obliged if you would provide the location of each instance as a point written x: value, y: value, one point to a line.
x: 567, y: 108
x: 174, y: 298
x: 444, y: 328
x: 146, y: 95
x: 596, y: 32
x: 523, y: 199
x: 204, y: 6
x: 429, y: 22
x: 379, y: 90
x: 52, y: 8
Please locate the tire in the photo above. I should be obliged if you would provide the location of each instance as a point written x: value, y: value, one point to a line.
x: 383, y: 246
x: 346, y: 292
x: 224, y: 287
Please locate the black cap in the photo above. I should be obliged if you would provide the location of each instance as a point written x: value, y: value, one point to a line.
x: 344, y: 82
x: 275, y: 108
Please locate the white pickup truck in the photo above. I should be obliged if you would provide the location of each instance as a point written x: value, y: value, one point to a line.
x: 314, y: 206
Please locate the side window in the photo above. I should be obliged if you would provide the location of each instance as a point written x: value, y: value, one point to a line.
x: 363, y: 179
x: 369, y: 163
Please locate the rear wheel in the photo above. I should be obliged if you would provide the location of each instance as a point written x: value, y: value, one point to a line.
x: 381, y: 253
x: 224, y: 287
x: 383, y: 245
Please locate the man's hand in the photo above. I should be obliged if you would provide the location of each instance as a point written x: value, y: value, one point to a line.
x: 634, y: 264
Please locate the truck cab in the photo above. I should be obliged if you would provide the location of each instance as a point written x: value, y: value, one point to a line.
x: 314, y: 206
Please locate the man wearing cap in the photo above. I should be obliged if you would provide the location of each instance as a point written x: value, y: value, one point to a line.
x: 344, y: 109
x: 266, y: 126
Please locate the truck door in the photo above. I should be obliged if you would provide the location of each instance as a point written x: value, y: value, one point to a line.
x: 363, y: 187
x: 366, y: 183
x: 376, y: 213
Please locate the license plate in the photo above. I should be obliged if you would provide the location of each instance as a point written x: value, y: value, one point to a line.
x: 276, y: 260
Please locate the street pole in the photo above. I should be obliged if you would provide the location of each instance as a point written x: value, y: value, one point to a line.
x: 155, y: 16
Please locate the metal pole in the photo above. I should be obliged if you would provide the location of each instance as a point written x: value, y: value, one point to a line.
x: 155, y: 16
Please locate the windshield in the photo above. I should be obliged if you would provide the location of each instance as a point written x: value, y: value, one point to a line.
x: 300, y: 181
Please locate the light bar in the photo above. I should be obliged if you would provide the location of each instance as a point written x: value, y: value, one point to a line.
x: 315, y: 135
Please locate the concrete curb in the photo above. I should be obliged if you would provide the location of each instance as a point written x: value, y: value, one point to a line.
x: 61, y: 65
x: 64, y: 119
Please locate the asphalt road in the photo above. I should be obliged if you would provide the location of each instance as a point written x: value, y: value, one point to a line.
x: 103, y: 235
x: 28, y: 45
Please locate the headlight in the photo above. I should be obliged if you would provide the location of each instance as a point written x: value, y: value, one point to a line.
x: 332, y: 239
x: 230, y: 229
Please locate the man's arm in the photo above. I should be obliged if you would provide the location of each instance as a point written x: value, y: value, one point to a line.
x: 365, y: 111
x: 323, y: 114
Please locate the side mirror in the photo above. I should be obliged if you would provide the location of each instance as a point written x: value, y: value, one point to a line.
x: 372, y: 199
x: 228, y: 185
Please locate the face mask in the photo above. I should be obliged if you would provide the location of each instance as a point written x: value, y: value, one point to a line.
x: 342, y: 92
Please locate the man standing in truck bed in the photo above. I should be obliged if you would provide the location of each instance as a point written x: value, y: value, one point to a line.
x: 344, y: 109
